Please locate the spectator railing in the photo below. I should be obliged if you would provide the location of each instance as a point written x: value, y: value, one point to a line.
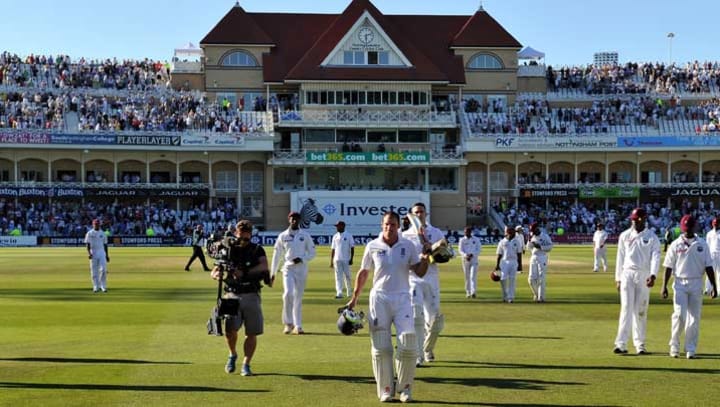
x: 367, y: 118
x: 107, y: 185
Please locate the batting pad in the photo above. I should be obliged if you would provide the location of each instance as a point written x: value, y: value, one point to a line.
x: 382, y: 360
x: 436, y: 326
x: 419, y: 321
x: 406, y: 357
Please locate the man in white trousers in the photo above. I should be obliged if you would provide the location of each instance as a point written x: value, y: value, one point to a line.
x: 599, y: 249
x: 520, y: 237
x: 470, y: 248
x: 294, y: 248
x: 392, y: 259
x: 687, y: 259
x: 636, y: 268
x: 97, y: 249
x: 539, y: 245
x: 342, y: 251
x: 713, y: 240
x: 509, y: 262
x: 425, y: 292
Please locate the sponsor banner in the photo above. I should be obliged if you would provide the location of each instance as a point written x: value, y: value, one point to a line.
x: 525, y: 141
x: 320, y: 210
x: 18, y: 241
x: 679, y: 192
x: 78, y: 192
x: 24, y: 138
x: 148, y: 140
x: 609, y: 192
x: 268, y: 239
x: 549, y: 193
x: 668, y: 141
x: 114, y: 241
x: 398, y: 157
x: 83, y: 139
x: 581, y: 238
x: 213, y: 139
x: 147, y: 192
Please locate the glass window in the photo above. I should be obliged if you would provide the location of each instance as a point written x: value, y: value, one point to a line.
x: 442, y: 179
x: 287, y: 179
x: 319, y: 135
x: 348, y: 58
x: 350, y: 135
x: 359, y: 58
x: 372, y: 58
x: 239, y: 58
x: 384, y: 58
x: 475, y: 182
x: 413, y: 136
x: 485, y: 61
x: 382, y: 136
x: 252, y: 181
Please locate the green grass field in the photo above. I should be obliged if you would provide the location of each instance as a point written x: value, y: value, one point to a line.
x: 144, y: 342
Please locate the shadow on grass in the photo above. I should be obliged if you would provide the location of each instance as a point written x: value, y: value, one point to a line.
x: 572, y: 367
x: 118, y: 387
x: 115, y: 294
x: 88, y: 360
x: 474, y: 403
x: 504, y: 383
x: 504, y: 337
x: 339, y: 378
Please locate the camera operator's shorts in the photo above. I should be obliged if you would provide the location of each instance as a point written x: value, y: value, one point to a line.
x: 249, y: 314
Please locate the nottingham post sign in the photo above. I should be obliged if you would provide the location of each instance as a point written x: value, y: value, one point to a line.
x: 348, y: 157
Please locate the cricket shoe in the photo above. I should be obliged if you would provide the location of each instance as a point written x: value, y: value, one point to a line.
x: 620, y: 351
x: 245, y: 370
x: 691, y: 355
x: 288, y: 328
x: 429, y: 356
x: 230, y: 366
x: 386, y: 397
x: 405, y: 396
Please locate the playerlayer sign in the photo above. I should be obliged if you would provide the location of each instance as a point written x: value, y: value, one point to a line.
x: 347, y: 157
x: 360, y: 210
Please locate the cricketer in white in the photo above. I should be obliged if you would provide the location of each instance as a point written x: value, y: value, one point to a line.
x: 392, y: 259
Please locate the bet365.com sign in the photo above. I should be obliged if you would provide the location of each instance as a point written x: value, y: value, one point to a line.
x: 405, y: 157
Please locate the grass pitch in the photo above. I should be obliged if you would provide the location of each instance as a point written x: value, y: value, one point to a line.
x: 144, y: 342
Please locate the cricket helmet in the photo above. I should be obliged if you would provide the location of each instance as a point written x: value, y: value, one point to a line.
x: 350, y: 322
x: 494, y: 276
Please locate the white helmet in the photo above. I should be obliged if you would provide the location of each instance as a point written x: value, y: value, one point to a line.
x: 349, y: 321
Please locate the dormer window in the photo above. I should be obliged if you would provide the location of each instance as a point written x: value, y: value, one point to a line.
x: 485, y: 61
x: 239, y: 58
x: 369, y: 58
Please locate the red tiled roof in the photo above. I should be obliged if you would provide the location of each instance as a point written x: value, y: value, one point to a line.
x: 303, y: 41
x: 481, y: 30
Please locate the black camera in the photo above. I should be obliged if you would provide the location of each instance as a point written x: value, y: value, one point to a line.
x: 218, y: 248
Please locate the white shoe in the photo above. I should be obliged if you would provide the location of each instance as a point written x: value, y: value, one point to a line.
x: 429, y: 357
x: 405, y: 396
x: 386, y: 397
x: 690, y: 355
x: 288, y: 328
x: 674, y: 353
x: 419, y: 361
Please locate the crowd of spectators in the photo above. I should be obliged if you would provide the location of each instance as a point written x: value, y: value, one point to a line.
x: 39, y: 110
x: 581, y: 218
x: 62, y: 72
x: 634, y: 78
x: 61, y: 218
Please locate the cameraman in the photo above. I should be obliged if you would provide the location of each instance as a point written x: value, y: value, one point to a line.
x: 247, y: 268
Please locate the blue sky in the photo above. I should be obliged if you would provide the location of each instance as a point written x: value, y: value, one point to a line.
x: 569, y: 32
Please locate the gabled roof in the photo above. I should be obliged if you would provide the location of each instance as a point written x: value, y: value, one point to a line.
x: 302, y: 41
x: 237, y: 27
x: 309, y: 67
x: 481, y: 30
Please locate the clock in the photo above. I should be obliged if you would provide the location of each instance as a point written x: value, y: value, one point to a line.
x: 366, y: 35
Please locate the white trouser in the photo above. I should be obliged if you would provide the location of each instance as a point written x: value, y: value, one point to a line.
x: 470, y: 270
x: 716, y: 268
x: 634, y: 301
x: 294, y: 279
x: 425, y: 298
x: 342, y: 277
x: 536, y: 277
x: 687, y: 307
x: 600, y: 257
x: 98, y: 272
x: 385, y: 309
x: 508, y: 271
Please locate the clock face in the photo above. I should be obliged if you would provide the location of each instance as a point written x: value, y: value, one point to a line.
x: 366, y: 35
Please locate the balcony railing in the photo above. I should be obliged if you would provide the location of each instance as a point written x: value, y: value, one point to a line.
x: 367, y: 118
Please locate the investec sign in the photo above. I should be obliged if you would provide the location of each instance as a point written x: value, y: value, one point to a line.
x: 352, y: 157
x: 360, y: 210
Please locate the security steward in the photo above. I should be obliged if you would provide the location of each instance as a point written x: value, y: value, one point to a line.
x: 197, y: 239
x: 247, y: 269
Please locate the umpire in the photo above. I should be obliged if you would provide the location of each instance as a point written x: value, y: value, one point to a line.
x: 197, y: 239
x: 248, y: 267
